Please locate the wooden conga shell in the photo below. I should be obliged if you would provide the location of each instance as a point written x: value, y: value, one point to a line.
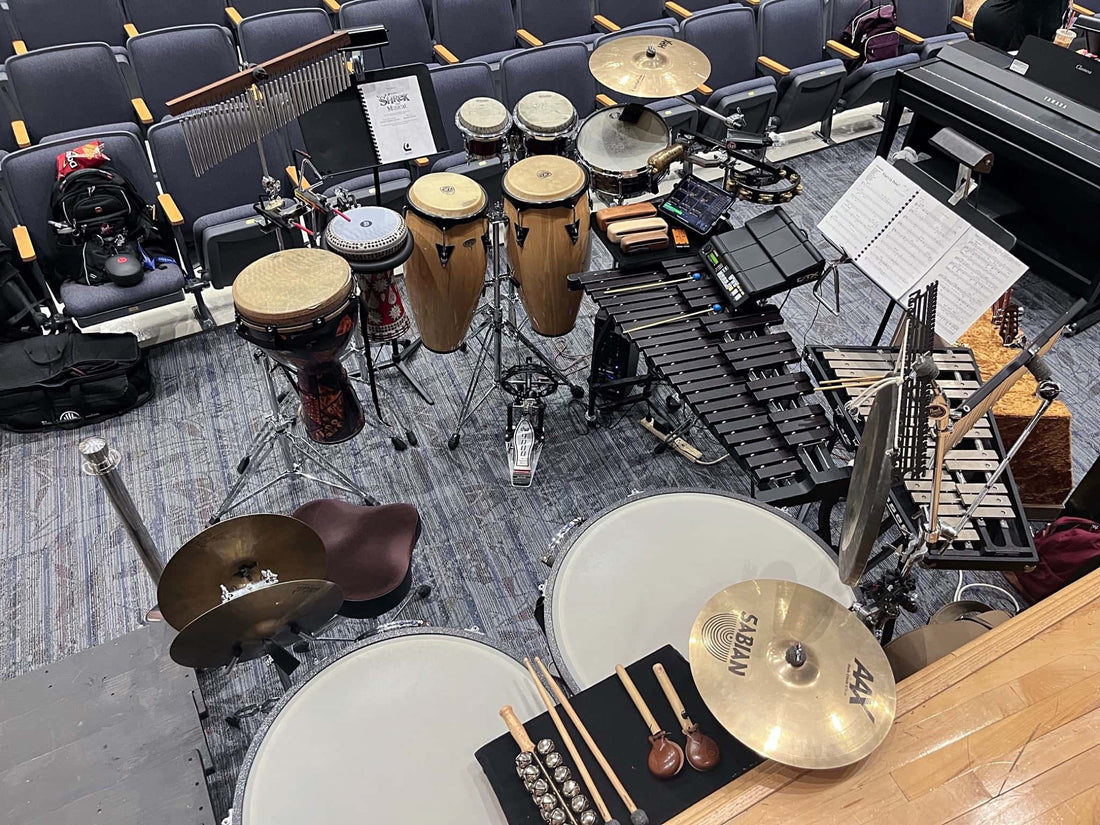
x: 446, y: 211
x: 544, y: 196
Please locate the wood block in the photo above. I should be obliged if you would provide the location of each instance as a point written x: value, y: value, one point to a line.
x: 1043, y: 468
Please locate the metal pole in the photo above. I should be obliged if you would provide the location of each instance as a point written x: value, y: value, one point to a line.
x: 102, y: 462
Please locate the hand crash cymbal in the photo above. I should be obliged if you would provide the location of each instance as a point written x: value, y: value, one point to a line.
x: 648, y: 66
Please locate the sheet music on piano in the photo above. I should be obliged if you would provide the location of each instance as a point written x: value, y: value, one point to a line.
x: 902, y: 238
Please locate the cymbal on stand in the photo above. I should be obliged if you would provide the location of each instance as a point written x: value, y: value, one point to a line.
x: 649, y: 66
x: 792, y: 674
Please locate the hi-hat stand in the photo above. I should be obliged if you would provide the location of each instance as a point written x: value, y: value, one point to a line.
x: 492, y: 330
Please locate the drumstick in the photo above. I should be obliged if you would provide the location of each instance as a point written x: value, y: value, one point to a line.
x: 696, y: 277
x: 715, y: 308
x: 571, y: 747
x: 637, y: 815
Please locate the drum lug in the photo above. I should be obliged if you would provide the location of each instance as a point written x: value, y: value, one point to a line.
x: 521, y: 234
x: 444, y: 252
x: 486, y: 242
x: 574, y: 230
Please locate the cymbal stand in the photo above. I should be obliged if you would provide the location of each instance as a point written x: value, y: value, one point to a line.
x: 493, y: 330
x: 294, y: 452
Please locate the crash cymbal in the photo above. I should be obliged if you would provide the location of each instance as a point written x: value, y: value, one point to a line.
x: 649, y: 66
x: 240, y: 627
x: 872, y: 475
x: 792, y: 674
x: 235, y: 553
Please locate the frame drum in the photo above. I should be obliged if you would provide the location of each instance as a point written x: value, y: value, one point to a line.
x: 546, y: 201
x: 446, y: 271
x: 636, y: 576
x: 616, y: 152
x: 386, y: 733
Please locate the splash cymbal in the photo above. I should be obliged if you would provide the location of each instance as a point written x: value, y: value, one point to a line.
x: 649, y: 66
x: 792, y: 674
x: 241, y: 627
x: 232, y: 554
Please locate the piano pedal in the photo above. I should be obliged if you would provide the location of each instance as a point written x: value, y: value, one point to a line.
x: 678, y: 444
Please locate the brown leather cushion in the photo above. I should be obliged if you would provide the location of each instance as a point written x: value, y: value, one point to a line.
x: 369, y: 549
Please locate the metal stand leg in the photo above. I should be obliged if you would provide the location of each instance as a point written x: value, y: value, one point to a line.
x: 368, y: 374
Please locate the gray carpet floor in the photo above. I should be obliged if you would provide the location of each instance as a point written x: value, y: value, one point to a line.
x: 71, y: 580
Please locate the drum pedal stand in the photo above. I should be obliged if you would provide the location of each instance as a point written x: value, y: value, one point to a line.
x: 494, y: 329
x: 294, y: 450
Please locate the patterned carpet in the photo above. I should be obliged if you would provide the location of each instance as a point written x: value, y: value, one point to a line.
x: 71, y: 580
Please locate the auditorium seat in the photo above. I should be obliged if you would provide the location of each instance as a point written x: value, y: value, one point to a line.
x: 556, y: 67
x: 406, y: 26
x: 150, y: 15
x: 172, y: 62
x: 925, y: 25
x: 480, y: 30
x: 42, y: 23
x: 28, y: 177
x: 727, y: 35
x: 541, y: 22
x: 237, y: 10
x: 65, y: 90
x: 790, y: 34
x: 612, y: 15
x: 271, y: 34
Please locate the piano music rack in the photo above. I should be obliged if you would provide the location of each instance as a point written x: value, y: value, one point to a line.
x: 734, y: 373
x: 1000, y: 538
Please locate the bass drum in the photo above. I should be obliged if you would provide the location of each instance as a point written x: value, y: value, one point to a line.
x: 636, y: 576
x: 387, y: 733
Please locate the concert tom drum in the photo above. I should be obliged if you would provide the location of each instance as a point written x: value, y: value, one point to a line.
x: 446, y: 272
x: 635, y: 577
x: 546, y: 201
x: 372, y: 239
x: 386, y: 733
x: 615, y: 145
x: 547, y: 123
x: 484, y: 124
x: 299, y: 306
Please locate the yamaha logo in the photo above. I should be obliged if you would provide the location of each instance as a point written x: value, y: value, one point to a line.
x: 447, y: 190
x: 544, y: 173
x: 70, y: 415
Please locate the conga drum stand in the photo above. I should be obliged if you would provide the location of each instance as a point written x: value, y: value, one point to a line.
x: 294, y: 452
x: 496, y: 325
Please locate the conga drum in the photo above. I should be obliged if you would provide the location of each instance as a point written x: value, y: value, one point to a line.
x: 446, y: 272
x: 386, y: 734
x: 484, y: 124
x: 370, y: 239
x: 299, y: 306
x: 547, y: 122
x: 546, y: 200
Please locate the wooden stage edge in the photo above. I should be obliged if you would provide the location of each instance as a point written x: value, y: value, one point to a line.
x: 1005, y: 730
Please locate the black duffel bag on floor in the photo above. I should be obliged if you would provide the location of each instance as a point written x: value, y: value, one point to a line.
x: 68, y: 380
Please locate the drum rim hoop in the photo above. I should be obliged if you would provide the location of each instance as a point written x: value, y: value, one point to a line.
x: 299, y: 327
x: 477, y: 137
x: 636, y: 171
x: 273, y: 715
x: 567, y: 547
x: 567, y: 201
x: 447, y: 222
x: 566, y: 132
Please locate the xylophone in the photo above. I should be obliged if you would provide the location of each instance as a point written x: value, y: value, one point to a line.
x: 732, y: 371
x: 998, y: 538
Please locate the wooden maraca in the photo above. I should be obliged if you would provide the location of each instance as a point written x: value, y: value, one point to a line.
x: 701, y: 751
x: 666, y: 758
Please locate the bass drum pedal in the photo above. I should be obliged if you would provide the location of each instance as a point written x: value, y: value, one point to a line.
x: 528, y: 384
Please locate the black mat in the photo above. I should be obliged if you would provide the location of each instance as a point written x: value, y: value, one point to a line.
x: 621, y: 734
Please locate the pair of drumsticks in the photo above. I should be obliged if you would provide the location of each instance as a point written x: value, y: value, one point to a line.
x: 637, y: 815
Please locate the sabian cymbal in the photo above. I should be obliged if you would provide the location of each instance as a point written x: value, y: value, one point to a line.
x: 240, y: 627
x: 234, y: 553
x: 792, y: 674
x: 649, y: 66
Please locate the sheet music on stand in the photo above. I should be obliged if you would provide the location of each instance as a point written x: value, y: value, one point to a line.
x: 903, y: 238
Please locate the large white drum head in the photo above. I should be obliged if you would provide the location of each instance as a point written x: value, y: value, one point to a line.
x: 387, y: 734
x: 635, y: 579
x: 609, y: 144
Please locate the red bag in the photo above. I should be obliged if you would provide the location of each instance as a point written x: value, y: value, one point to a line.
x: 1068, y: 549
x: 88, y: 156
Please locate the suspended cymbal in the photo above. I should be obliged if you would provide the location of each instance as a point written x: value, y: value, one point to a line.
x: 792, y: 674
x: 649, y: 66
x: 241, y: 626
x: 234, y: 553
x: 872, y: 475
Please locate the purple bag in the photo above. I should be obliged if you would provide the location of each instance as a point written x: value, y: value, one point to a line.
x: 872, y: 33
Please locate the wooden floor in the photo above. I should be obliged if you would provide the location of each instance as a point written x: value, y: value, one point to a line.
x: 1006, y: 730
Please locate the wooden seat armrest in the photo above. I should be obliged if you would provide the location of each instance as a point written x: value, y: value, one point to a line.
x: 131, y: 29
x: 605, y: 24
x: 963, y: 22
x: 145, y: 117
x: 19, y: 46
x: 528, y: 38
x: 678, y: 10
x: 23, y: 244
x: 772, y: 65
x: 332, y: 5
x: 704, y: 89
x: 171, y: 211
x: 421, y: 162
x: 908, y: 35
x: 841, y: 49
x: 445, y: 53
x: 1082, y: 10
x: 604, y: 100
x: 22, y: 138
x: 234, y: 16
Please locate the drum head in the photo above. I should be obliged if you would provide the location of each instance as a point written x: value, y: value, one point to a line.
x: 546, y: 113
x: 609, y: 144
x: 483, y: 117
x: 292, y: 287
x: 636, y: 576
x: 387, y: 734
x: 544, y: 179
x: 370, y: 232
x: 447, y: 196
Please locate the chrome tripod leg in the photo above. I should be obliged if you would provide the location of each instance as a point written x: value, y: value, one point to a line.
x: 467, y: 404
x: 307, y: 450
x: 263, y: 443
